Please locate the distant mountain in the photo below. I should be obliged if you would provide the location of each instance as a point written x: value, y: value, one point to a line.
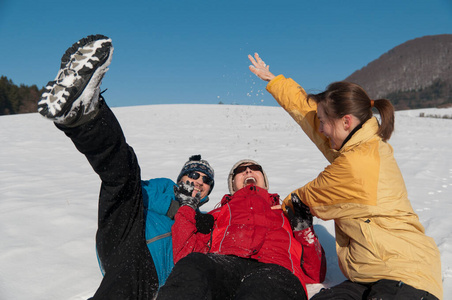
x: 415, y: 74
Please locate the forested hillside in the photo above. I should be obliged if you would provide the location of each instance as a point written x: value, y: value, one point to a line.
x: 17, y: 99
x: 415, y: 74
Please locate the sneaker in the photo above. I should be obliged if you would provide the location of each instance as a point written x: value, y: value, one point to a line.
x: 75, y: 91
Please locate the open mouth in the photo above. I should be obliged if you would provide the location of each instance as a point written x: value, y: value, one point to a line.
x: 249, y: 180
x: 197, y: 190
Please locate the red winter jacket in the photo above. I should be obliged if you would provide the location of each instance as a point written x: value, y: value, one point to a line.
x: 246, y: 226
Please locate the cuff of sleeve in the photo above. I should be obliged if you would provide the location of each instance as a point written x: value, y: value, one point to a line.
x: 172, y: 210
x: 273, y: 81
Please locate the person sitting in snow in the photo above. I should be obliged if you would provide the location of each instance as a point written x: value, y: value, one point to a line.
x: 251, y: 250
x: 381, y: 245
x: 133, y: 240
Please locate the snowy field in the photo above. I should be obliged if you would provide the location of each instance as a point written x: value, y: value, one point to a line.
x: 48, y: 192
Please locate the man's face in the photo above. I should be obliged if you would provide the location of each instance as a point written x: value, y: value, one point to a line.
x: 248, y: 173
x: 198, y: 179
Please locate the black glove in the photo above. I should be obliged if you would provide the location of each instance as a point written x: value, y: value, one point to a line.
x: 300, y: 216
x: 183, y: 192
x: 204, y: 222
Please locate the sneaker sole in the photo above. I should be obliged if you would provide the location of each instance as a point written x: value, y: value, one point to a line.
x: 78, y: 62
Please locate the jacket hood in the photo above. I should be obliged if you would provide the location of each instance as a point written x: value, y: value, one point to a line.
x: 231, y: 174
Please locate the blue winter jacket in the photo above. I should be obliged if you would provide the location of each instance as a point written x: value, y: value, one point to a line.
x: 157, y: 196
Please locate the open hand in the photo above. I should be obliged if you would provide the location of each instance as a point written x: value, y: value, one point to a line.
x: 259, y: 68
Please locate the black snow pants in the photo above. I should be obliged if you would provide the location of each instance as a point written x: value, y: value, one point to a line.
x: 213, y: 276
x: 381, y: 290
x: 120, y: 240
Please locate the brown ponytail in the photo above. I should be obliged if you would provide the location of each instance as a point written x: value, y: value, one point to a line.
x: 386, y: 111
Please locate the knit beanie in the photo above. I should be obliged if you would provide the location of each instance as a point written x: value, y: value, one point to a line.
x: 237, y: 164
x: 195, y: 163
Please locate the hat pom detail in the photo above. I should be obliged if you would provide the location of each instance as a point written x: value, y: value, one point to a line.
x: 196, y: 157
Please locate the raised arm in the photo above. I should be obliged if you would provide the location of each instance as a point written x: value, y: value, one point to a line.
x: 294, y: 99
x: 189, y: 232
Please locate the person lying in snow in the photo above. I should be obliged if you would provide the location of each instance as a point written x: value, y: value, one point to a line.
x: 133, y: 240
x: 382, y: 247
x: 244, y: 249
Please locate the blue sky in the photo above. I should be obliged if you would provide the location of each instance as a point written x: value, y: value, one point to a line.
x: 196, y: 51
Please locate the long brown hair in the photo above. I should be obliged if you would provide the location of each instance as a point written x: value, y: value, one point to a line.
x: 343, y: 98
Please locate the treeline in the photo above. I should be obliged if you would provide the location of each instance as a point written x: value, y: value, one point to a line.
x: 18, y: 99
x: 439, y: 94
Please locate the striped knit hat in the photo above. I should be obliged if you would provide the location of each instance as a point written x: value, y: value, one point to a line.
x: 195, y: 163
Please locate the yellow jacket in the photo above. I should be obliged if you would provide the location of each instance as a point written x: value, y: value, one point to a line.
x: 378, y: 235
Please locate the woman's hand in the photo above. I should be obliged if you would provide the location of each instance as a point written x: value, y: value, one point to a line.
x: 300, y: 215
x: 259, y: 68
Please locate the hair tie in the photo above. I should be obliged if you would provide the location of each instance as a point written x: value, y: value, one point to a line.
x: 372, y: 103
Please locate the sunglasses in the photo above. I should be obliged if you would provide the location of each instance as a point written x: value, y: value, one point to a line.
x: 241, y: 169
x: 195, y: 175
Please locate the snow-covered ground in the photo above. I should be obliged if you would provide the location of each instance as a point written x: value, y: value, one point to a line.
x: 48, y: 192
